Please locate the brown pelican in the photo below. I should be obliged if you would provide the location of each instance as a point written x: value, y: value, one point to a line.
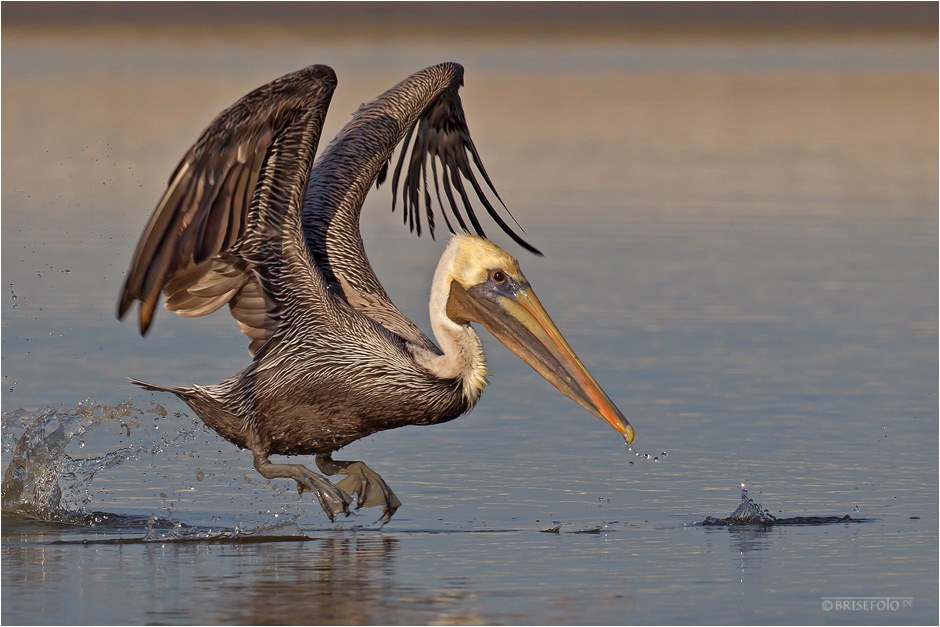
x: 249, y: 220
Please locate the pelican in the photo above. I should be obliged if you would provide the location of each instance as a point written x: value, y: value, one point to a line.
x: 251, y: 221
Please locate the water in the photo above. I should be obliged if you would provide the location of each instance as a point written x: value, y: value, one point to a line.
x: 740, y: 243
x: 37, y: 461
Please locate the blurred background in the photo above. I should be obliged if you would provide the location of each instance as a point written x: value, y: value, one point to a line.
x: 392, y: 21
x: 738, y: 205
x: 620, y: 109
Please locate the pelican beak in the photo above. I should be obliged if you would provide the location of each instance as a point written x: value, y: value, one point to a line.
x: 513, y: 314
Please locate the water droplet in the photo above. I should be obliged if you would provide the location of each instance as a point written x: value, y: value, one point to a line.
x: 663, y: 454
x: 200, y: 475
x: 655, y: 459
x: 631, y: 463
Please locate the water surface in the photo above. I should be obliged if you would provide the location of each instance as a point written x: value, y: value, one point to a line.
x: 741, y: 244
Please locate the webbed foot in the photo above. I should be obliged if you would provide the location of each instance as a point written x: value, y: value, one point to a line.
x: 369, y: 488
x: 333, y: 499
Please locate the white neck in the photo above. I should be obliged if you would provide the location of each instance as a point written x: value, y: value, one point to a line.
x: 463, y: 356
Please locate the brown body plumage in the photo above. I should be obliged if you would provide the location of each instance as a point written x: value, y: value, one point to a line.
x: 250, y: 221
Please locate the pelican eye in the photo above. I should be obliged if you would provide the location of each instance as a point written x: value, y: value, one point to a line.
x: 497, y: 276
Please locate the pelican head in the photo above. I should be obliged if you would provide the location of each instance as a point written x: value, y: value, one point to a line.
x: 485, y: 285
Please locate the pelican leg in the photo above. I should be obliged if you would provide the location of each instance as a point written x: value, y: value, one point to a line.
x: 361, y: 480
x: 332, y: 498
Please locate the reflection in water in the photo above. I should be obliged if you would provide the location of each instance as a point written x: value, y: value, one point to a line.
x: 750, y: 538
x: 334, y: 580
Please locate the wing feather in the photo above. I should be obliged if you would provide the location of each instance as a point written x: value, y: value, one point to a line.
x: 442, y: 132
x: 245, y: 175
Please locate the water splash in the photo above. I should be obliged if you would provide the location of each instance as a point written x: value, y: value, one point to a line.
x: 647, y: 457
x: 44, y: 482
x: 275, y: 528
x: 750, y: 512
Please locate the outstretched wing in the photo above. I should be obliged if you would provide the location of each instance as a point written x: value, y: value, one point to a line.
x: 233, y: 198
x: 424, y: 110
x: 442, y: 138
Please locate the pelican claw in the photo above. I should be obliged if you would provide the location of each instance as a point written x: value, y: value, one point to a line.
x: 368, y: 486
x: 332, y: 498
